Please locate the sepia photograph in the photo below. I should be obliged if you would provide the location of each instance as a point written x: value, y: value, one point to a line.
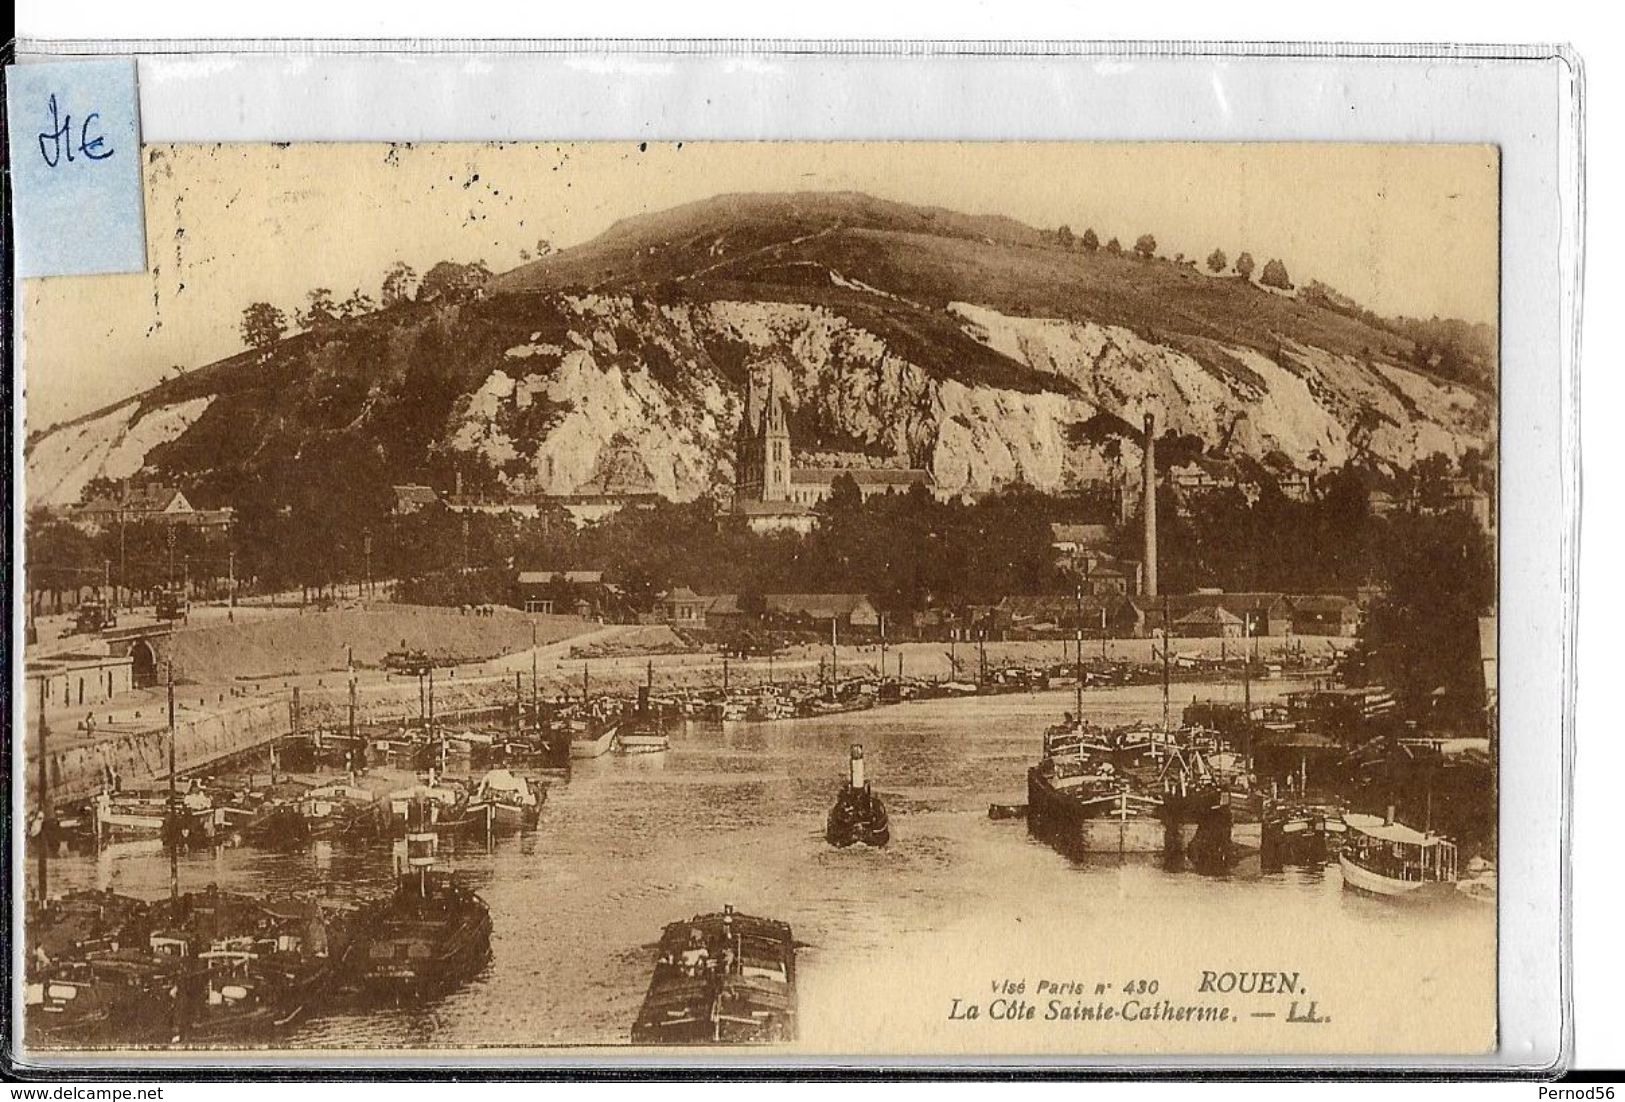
x: 902, y: 599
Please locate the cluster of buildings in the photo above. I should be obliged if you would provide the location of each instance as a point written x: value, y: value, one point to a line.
x: 145, y: 502
x: 1207, y: 614
x: 1455, y: 494
x: 1113, y: 595
x: 590, y: 506
x: 1084, y: 551
x: 1211, y: 614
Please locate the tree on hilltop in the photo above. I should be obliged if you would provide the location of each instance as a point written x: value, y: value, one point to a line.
x: 1244, y: 265
x: 1217, y: 261
x: 263, y: 325
x: 356, y: 305
x: 1114, y: 247
x: 1145, y: 246
x: 453, y: 282
x: 400, y: 283
x: 1090, y: 241
x: 1064, y: 236
x: 321, y: 311
x: 1275, y: 276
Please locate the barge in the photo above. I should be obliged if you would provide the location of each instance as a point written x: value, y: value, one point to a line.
x: 721, y: 979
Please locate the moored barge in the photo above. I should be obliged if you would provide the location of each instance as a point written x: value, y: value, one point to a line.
x: 721, y: 979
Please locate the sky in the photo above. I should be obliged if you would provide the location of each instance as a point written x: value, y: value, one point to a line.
x: 1404, y: 229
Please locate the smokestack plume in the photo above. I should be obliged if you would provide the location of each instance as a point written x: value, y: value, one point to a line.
x: 858, y: 778
x: 1148, y: 498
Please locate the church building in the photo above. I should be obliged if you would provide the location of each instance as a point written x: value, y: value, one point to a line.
x: 771, y: 493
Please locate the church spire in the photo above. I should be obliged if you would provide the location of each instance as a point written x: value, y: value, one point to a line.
x: 772, y: 422
x: 775, y: 444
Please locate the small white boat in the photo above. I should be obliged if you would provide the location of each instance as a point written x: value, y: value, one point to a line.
x: 1383, y: 856
x: 643, y: 742
x: 592, y: 742
x: 1479, y: 884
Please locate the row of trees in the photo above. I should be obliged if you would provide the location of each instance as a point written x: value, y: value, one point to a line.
x: 907, y: 551
x: 143, y: 557
x: 263, y: 324
x: 1145, y: 248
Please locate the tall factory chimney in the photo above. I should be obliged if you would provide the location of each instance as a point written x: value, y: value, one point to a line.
x: 1148, y: 500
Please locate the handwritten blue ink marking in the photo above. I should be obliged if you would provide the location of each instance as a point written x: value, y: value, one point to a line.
x: 61, y: 145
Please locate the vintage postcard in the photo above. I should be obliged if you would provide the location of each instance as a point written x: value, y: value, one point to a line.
x: 994, y: 600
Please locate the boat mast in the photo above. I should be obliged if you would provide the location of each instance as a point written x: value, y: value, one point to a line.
x: 172, y: 821
x: 834, y: 651
x: 349, y: 667
x: 44, y: 802
x: 1077, y: 691
x: 535, y: 705
x: 1247, y: 688
x: 882, y: 646
x: 1167, y: 636
x: 430, y: 719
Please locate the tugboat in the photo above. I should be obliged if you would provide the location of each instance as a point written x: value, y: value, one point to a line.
x: 858, y: 817
x: 1382, y: 856
x: 646, y: 733
x: 431, y: 935
x: 721, y: 979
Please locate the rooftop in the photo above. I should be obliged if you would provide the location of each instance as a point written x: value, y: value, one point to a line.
x: 573, y: 577
x: 820, y: 606
x: 863, y: 476
x: 1375, y: 826
x: 771, y: 509
x: 146, y: 498
x: 1088, y: 535
x: 1210, y: 614
x: 416, y: 495
x: 1319, y: 603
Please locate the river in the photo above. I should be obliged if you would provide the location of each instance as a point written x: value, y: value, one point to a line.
x: 957, y: 902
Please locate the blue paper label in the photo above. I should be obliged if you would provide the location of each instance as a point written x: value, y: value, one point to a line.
x: 76, y: 167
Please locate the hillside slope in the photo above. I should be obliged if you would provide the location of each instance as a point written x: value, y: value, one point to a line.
x: 974, y: 346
